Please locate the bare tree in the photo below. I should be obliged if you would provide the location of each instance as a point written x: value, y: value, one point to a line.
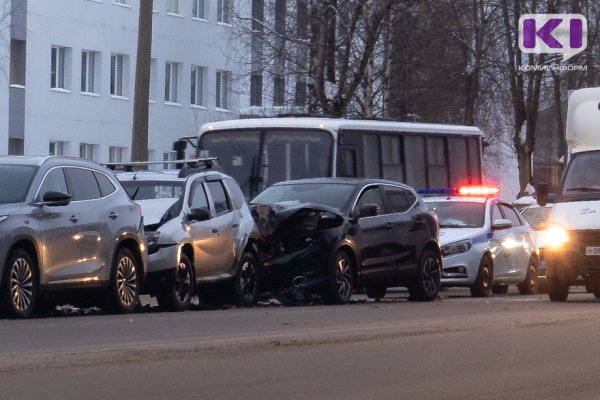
x: 329, y: 46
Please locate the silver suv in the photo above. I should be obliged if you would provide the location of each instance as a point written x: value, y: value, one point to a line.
x: 200, y: 235
x: 67, y: 225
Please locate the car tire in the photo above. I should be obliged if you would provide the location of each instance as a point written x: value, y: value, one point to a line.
x: 179, y: 290
x: 376, y: 291
x: 426, y: 284
x: 20, y: 286
x: 557, y: 289
x: 529, y: 285
x: 340, y: 279
x: 122, y: 295
x: 500, y: 289
x: 485, y: 278
x: 246, y: 281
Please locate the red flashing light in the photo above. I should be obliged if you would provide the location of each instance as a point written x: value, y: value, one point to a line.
x: 478, y: 191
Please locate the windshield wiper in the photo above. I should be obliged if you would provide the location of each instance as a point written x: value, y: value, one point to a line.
x: 583, y: 189
x: 135, y: 193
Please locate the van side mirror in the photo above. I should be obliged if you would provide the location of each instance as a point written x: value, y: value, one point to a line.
x: 541, y: 194
x: 199, y: 214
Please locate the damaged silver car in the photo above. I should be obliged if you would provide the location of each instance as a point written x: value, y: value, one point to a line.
x: 200, y: 236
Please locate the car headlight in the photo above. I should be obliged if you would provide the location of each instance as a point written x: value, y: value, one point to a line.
x: 152, y: 238
x: 555, y: 236
x: 461, y: 246
x: 3, y: 218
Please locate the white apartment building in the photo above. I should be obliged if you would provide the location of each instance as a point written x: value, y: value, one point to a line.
x: 70, y: 64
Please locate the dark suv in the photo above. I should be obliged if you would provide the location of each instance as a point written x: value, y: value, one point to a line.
x: 67, y: 224
x: 331, y: 235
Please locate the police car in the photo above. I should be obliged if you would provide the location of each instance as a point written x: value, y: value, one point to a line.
x: 486, y: 245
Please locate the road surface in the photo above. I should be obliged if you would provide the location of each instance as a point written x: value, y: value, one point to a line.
x: 503, y: 347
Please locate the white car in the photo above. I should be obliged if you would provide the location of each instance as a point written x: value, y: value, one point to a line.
x: 486, y: 245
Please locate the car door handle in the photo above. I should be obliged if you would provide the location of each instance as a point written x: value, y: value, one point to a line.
x: 389, y: 225
x: 113, y: 215
x: 74, y: 219
x: 215, y: 230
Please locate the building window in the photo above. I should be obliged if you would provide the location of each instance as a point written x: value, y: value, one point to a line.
x: 258, y: 15
x: 198, y: 9
x: 278, y: 90
x: 56, y: 148
x: 59, y: 68
x: 17, y: 62
x: 198, y: 74
x: 223, y: 11
x: 173, y: 6
x: 300, y: 95
x: 117, y: 74
x: 87, y: 150
x: 223, y: 78
x: 169, y: 156
x: 16, y: 147
x: 88, y: 71
x: 120, y: 1
x: 116, y: 154
x: 171, y: 72
x: 256, y: 82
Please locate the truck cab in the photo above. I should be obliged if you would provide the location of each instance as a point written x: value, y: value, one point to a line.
x: 573, y: 232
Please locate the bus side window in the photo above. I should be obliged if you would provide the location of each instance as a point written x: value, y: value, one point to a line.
x: 414, y: 154
x: 346, y: 162
x: 459, y: 161
x: 475, y: 161
x: 437, y: 168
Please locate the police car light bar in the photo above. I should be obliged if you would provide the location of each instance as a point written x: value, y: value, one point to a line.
x: 478, y: 191
x: 473, y: 191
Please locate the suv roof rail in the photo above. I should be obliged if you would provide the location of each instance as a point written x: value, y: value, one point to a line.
x: 193, y: 163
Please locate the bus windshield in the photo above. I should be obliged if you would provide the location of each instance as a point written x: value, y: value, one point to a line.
x: 259, y: 158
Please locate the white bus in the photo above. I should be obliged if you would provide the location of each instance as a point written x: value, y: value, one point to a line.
x: 262, y: 151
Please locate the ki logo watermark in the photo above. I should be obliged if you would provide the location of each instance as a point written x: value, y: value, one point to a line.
x: 564, y: 34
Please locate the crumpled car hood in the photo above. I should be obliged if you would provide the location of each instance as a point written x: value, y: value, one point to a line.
x: 275, y: 220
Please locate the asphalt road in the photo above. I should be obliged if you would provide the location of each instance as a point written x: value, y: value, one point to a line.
x: 517, y: 347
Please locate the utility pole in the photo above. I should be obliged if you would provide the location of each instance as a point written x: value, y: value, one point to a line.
x: 139, y: 135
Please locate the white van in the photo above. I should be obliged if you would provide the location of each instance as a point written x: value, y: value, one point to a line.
x: 573, y: 234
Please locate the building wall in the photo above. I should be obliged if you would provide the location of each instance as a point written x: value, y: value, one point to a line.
x: 105, y: 120
x: 4, y: 76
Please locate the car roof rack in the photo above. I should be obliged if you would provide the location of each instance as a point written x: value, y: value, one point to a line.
x: 188, y: 165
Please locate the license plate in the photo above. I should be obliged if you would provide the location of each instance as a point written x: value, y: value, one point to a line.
x: 592, y: 251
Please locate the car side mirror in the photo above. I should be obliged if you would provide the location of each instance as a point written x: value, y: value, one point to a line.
x: 501, y: 223
x: 56, y: 199
x: 368, y: 210
x: 541, y: 194
x: 199, y: 214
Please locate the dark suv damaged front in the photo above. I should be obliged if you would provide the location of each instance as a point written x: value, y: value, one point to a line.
x: 294, y: 242
x: 329, y: 236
